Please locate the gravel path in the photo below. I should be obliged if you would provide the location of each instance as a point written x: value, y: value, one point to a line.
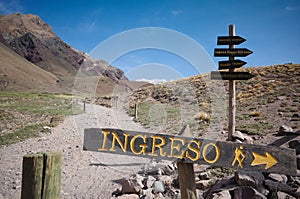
x: 84, y: 174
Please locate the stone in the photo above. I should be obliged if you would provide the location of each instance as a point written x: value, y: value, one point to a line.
x: 278, y: 186
x: 249, y: 178
x: 203, y: 184
x: 242, y: 137
x: 139, y: 180
x: 294, y: 180
x: 205, y: 175
x: 129, y: 196
x: 158, y: 187
x: 295, y: 144
x: 221, y: 195
x: 220, y: 185
x: 147, y: 194
x: 167, y: 170
x: 154, y: 171
x: 159, y: 196
x: 167, y: 180
x: 116, y: 193
x: 150, y: 181
x: 284, y: 195
x: 277, y: 177
x: 130, y: 186
x: 284, y: 130
x: 296, y: 115
x: 247, y: 192
x: 297, y: 193
x: 200, y: 168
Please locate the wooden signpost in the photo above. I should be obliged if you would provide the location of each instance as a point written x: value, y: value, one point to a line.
x: 237, y: 156
x: 231, y: 64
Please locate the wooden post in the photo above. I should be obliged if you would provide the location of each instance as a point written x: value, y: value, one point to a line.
x: 231, y: 108
x: 84, y: 105
x: 32, y: 176
x: 52, y: 175
x: 41, y: 176
x: 135, y: 111
x: 186, y: 174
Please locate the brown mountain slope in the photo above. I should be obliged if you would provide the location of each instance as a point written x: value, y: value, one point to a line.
x: 34, y: 40
x: 18, y: 74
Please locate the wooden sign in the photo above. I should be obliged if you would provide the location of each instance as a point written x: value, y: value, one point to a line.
x: 191, y: 150
x: 231, y: 64
x: 230, y: 40
x: 220, y: 75
x: 235, y: 52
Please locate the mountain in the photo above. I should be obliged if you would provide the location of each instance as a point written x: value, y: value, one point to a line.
x: 31, y: 38
x: 16, y: 73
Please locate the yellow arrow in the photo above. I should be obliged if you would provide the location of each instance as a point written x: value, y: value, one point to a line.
x: 269, y: 160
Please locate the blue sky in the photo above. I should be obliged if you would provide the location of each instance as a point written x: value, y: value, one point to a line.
x: 271, y: 27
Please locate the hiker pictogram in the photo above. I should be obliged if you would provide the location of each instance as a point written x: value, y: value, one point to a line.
x: 239, y: 156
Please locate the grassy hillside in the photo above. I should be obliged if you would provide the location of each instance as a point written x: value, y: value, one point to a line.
x: 270, y: 99
x: 24, y: 115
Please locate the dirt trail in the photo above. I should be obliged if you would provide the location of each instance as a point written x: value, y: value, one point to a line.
x: 84, y: 174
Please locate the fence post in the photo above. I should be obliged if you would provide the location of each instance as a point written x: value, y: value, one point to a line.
x: 52, y: 175
x: 135, y: 111
x: 186, y: 174
x: 187, y: 182
x: 32, y: 176
x: 41, y: 176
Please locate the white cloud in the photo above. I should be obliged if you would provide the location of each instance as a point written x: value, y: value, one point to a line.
x: 176, y: 12
x: 9, y: 7
x: 153, y: 81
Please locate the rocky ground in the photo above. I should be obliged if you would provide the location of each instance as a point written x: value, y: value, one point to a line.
x: 84, y: 174
x: 96, y: 175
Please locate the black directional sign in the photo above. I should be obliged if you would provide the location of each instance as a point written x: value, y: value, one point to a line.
x: 230, y: 40
x: 191, y: 150
x: 231, y: 64
x: 217, y: 75
x: 236, y: 52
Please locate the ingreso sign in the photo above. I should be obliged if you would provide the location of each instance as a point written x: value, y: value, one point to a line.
x: 191, y: 150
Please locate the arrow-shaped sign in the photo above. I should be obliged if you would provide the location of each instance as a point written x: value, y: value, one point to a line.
x: 231, y: 64
x: 268, y: 160
x: 217, y: 75
x: 230, y: 40
x: 235, y: 52
x: 191, y: 150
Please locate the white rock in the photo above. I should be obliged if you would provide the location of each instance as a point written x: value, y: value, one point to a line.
x: 158, y: 187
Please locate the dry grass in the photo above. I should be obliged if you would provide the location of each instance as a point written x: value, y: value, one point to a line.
x: 263, y: 103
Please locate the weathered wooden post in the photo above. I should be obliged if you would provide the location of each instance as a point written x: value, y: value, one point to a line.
x: 84, y: 105
x: 135, y: 111
x: 186, y: 173
x: 41, y: 176
x: 32, y: 176
x: 52, y: 175
x: 232, y: 108
x: 231, y: 75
